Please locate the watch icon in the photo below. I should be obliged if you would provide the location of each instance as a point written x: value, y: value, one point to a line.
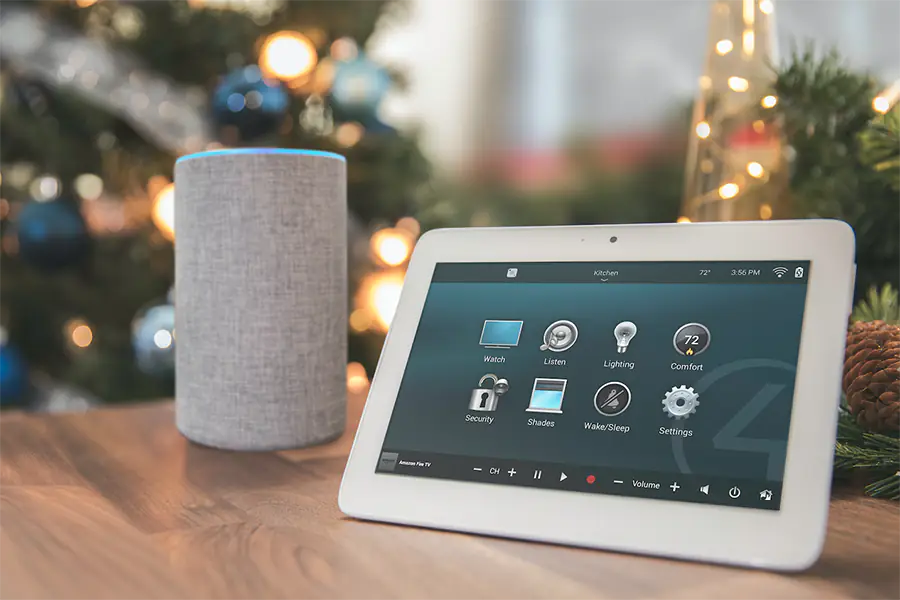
x: 691, y: 339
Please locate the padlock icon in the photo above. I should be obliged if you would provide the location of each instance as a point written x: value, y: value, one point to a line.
x: 485, y: 399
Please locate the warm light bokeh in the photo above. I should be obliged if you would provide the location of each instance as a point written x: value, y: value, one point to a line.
x: 729, y: 190
x: 881, y: 104
x: 392, y: 246
x: 703, y: 130
x: 80, y: 332
x: 348, y: 134
x: 380, y: 293
x: 287, y: 55
x: 769, y: 101
x: 163, y: 212
x: 738, y: 84
x: 755, y: 169
x: 357, y: 379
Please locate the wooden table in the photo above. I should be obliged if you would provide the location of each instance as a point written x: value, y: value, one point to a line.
x: 114, y: 503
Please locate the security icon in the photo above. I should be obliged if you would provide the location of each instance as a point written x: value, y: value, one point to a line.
x: 484, y: 398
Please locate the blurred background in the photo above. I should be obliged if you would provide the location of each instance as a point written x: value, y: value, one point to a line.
x: 462, y: 113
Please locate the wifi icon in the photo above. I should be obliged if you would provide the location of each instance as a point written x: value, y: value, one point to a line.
x: 780, y: 272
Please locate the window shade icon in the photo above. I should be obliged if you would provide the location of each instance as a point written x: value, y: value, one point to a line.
x: 547, y: 395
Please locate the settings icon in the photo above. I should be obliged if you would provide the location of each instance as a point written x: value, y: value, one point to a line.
x: 681, y: 402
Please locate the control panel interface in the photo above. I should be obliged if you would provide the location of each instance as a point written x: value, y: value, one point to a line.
x: 666, y: 380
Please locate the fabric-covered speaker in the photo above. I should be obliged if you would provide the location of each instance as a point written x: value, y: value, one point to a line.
x: 260, y: 297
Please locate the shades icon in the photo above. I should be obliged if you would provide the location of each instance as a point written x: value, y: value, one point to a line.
x: 547, y: 395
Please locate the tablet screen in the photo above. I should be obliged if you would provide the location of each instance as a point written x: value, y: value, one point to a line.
x: 665, y: 380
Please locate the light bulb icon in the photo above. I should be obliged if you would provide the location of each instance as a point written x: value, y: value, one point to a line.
x: 624, y: 332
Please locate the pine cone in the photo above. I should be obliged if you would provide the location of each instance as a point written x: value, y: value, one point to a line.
x: 872, y: 375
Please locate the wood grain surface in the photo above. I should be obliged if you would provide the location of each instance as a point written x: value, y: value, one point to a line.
x: 114, y: 503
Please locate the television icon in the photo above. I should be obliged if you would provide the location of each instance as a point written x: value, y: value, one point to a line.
x: 500, y: 334
x: 547, y: 395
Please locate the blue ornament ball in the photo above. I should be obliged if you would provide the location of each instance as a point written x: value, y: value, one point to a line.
x: 13, y: 376
x: 52, y: 234
x: 251, y: 103
x: 358, y: 88
x: 153, y: 338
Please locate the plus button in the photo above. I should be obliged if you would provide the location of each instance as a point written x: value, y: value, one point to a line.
x: 675, y: 487
x: 511, y: 472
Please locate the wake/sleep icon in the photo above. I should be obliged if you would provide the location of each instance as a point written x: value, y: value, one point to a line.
x: 612, y: 399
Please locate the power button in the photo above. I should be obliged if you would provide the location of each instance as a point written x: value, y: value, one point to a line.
x: 734, y: 492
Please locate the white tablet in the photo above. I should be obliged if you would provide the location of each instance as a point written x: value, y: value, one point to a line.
x: 663, y: 389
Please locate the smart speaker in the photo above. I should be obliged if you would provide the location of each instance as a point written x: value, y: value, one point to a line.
x: 260, y: 297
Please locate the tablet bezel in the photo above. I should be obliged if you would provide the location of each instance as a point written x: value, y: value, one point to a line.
x: 790, y: 538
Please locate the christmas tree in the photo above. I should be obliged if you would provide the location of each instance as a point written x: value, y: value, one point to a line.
x: 99, y: 98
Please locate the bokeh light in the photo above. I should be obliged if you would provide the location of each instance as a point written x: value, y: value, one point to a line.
x: 357, y: 379
x: 738, y: 84
x: 755, y: 169
x: 411, y: 225
x: 723, y: 47
x: 163, y: 212
x: 89, y: 186
x: 769, y: 101
x: 348, y: 134
x: 765, y: 212
x: 729, y: 190
x: 392, y: 246
x: 80, y: 333
x: 683, y: 220
x: 162, y: 339
x: 382, y: 294
x: 881, y: 104
x: 287, y: 55
x: 703, y: 130
x: 360, y: 320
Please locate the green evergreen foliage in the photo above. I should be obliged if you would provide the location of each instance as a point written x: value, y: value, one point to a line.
x: 57, y: 131
x: 876, y: 454
x: 825, y: 107
x: 878, y: 305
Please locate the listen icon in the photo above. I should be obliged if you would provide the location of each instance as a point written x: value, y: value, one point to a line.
x: 560, y: 336
x: 624, y: 332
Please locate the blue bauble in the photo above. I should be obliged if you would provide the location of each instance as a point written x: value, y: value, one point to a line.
x: 52, y: 234
x: 249, y: 102
x: 153, y: 337
x: 358, y: 88
x: 13, y: 376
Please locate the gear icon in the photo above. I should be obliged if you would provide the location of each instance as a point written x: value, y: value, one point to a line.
x: 681, y: 402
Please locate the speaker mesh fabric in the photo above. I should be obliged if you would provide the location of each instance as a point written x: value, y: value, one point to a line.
x: 261, y: 299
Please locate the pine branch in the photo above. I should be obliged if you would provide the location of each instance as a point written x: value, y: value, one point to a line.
x: 889, y: 487
x: 849, y: 456
x: 878, y: 305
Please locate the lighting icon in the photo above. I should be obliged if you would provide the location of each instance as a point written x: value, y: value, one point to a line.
x: 624, y: 332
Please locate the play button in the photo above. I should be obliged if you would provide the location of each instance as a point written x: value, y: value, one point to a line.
x: 563, y: 476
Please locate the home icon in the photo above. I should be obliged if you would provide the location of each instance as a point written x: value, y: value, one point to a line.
x: 765, y: 495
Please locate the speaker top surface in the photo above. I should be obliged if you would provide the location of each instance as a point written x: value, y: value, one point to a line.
x: 239, y: 151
